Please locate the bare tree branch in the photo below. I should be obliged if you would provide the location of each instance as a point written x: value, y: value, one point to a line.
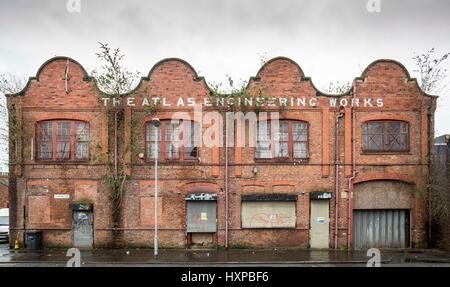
x: 337, y: 87
x: 431, y: 73
x: 9, y: 84
x: 112, y: 77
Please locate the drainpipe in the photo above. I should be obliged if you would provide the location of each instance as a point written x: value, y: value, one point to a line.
x: 350, y: 180
x: 336, y: 168
x: 430, y: 146
x: 24, y: 222
x: 115, y: 146
x: 226, y: 185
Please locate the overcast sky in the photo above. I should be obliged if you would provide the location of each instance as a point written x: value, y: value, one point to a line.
x: 331, y: 40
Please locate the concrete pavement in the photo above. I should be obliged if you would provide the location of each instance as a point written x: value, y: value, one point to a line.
x: 236, y: 257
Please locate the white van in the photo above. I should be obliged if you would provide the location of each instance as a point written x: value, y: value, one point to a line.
x: 4, y: 225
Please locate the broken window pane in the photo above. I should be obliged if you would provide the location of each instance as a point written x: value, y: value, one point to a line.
x: 63, y: 150
x: 300, y: 150
x: 263, y: 140
x: 56, y: 139
x: 286, y: 135
x: 385, y: 136
x: 172, y: 137
x: 45, y: 131
x: 191, y: 139
x: 45, y: 151
x: 82, y: 132
x: 82, y: 150
x: 82, y: 138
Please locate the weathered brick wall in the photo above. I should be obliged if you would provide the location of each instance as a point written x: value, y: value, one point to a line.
x: 383, y: 195
x: 3, y: 194
x: 36, y: 183
x: 441, y: 194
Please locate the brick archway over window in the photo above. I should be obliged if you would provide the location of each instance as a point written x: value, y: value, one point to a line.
x: 384, y: 176
x: 383, y: 194
x: 199, y: 187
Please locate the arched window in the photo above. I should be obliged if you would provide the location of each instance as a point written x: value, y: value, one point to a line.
x: 287, y: 140
x: 385, y: 136
x: 62, y: 140
x: 179, y: 141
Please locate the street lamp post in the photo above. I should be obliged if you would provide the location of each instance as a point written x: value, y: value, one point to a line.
x: 156, y: 123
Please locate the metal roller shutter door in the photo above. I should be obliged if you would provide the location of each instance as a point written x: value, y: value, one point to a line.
x: 201, y: 216
x: 380, y: 228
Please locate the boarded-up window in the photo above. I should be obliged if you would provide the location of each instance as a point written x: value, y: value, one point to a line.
x: 147, y: 187
x: 38, y: 188
x: 147, y: 211
x: 268, y: 214
x: 38, y: 209
x: 85, y: 190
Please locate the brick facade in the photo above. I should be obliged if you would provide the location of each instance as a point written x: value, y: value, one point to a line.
x: 35, y: 183
x: 441, y: 196
x: 4, y: 203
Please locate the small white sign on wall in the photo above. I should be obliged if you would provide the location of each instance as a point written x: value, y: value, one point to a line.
x: 61, y: 196
x: 321, y: 220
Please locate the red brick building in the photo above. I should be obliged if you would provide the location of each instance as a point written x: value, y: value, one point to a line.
x: 83, y: 172
x: 4, y: 190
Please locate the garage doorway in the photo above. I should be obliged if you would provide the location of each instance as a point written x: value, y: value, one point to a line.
x: 381, y: 228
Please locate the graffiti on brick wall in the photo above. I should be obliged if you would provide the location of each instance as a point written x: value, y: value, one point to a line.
x: 271, y: 220
x: 83, y: 222
x: 273, y: 214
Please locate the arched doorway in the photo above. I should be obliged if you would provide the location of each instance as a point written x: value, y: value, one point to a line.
x: 381, y: 214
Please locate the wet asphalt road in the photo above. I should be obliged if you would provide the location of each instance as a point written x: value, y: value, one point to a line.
x: 222, y: 258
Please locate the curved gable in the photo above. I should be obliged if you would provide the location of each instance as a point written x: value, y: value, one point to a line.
x: 282, y: 77
x: 60, y: 82
x: 174, y: 71
x: 384, y: 67
x: 172, y: 78
x: 54, y: 63
x: 176, y: 67
x: 280, y: 68
x: 50, y: 69
x: 390, y: 73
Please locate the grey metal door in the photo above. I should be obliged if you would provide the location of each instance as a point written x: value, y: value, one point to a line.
x: 83, y: 235
x: 201, y: 216
x: 380, y: 228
